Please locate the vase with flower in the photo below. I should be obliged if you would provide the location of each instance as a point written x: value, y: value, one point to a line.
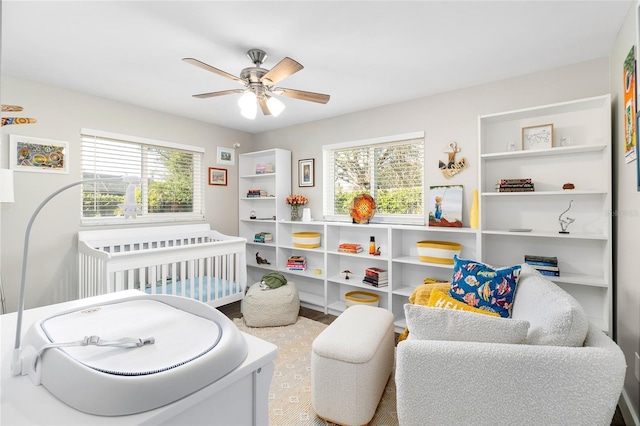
x: 295, y: 201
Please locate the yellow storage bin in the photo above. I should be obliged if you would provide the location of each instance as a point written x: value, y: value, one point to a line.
x: 361, y: 298
x: 306, y: 239
x: 438, y: 251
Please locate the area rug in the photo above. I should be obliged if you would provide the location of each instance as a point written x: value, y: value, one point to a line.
x: 290, y: 390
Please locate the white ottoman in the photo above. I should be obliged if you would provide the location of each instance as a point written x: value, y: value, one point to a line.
x: 270, y: 308
x: 351, y: 361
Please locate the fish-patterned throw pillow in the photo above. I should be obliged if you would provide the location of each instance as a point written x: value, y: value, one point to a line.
x: 484, y: 287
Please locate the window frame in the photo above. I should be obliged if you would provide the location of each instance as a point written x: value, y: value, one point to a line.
x: 328, y: 187
x: 198, y: 213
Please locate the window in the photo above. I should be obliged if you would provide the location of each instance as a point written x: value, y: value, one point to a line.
x: 390, y: 169
x: 171, y: 178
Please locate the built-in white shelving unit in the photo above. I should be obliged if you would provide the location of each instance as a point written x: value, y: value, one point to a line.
x: 585, y: 254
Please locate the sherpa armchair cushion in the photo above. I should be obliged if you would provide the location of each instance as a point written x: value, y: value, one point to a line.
x: 555, y: 317
x: 428, y: 323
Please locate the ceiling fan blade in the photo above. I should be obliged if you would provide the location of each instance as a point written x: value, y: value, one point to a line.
x: 214, y: 70
x: 283, y: 69
x: 301, y: 94
x: 262, y: 101
x: 220, y: 93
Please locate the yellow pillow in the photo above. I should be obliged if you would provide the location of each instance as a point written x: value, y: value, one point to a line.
x: 421, y: 294
x: 439, y: 299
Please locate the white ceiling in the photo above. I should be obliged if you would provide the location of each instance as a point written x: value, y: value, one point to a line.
x: 363, y: 53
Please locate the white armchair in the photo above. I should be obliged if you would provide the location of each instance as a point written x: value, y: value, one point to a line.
x: 536, y: 382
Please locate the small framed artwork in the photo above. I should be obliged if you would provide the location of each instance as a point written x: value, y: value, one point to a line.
x: 217, y: 176
x: 29, y: 154
x: 537, y: 137
x: 306, y: 172
x: 226, y: 156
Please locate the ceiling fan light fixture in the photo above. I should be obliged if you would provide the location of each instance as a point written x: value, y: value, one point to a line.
x: 275, y: 106
x: 247, y: 103
x: 247, y: 99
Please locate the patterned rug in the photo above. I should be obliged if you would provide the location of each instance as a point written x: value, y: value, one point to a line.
x: 290, y: 390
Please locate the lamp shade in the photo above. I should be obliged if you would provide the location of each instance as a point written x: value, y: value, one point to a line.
x: 275, y: 106
x: 6, y: 186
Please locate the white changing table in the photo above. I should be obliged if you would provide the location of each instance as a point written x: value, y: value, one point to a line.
x: 239, y: 398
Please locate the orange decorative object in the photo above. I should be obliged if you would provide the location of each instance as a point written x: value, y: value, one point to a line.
x: 362, y: 209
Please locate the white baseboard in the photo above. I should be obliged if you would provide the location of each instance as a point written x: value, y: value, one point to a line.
x: 630, y: 417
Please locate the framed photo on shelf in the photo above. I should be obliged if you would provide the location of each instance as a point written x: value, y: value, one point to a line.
x: 306, y: 172
x: 537, y: 137
x: 29, y: 154
x: 226, y: 156
x: 217, y: 176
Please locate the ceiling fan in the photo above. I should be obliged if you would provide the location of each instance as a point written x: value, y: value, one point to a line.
x: 258, y: 84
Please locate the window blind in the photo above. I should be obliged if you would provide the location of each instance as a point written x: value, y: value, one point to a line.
x: 389, y: 169
x: 171, y: 178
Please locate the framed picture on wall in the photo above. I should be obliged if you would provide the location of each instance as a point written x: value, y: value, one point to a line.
x: 306, y: 172
x: 217, y: 176
x: 29, y: 154
x: 226, y: 156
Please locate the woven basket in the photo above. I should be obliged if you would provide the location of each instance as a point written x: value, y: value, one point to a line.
x: 306, y: 239
x: 438, y: 251
x: 361, y: 298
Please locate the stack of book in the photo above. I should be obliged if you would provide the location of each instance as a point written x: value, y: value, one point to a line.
x: 546, y: 265
x: 263, y: 237
x: 515, y: 185
x: 376, y: 277
x: 256, y: 193
x: 350, y: 248
x: 296, y: 263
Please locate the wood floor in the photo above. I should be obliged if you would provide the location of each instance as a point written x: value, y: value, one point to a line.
x: 232, y: 311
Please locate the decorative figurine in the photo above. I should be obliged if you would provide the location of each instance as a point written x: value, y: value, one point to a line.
x: 452, y: 167
x: 261, y: 260
x: 377, y: 252
x: 568, y: 186
x: 564, y: 223
x: 346, y: 273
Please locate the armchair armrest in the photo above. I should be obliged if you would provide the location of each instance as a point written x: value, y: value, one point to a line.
x: 448, y: 382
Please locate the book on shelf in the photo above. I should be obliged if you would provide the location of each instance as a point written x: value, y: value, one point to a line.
x: 376, y: 272
x: 515, y: 185
x: 350, y: 248
x: 544, y: 267
x: 514, y: 181
x: 375, y: 283
x: 296, y: 263
x: 541, y: 260
x: 549, y: 273
x: 263, y: 237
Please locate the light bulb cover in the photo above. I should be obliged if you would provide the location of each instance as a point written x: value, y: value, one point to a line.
x: 247, y: 99
x: 275, y: 106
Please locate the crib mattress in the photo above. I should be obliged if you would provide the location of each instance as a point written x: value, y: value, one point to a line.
x: 208, y: 288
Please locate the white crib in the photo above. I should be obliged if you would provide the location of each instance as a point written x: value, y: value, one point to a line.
x: 184, y: 260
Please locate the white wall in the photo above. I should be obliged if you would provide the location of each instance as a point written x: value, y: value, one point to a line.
x: 627, y: 221
x: 446, y: 117
x: 52, y: 275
